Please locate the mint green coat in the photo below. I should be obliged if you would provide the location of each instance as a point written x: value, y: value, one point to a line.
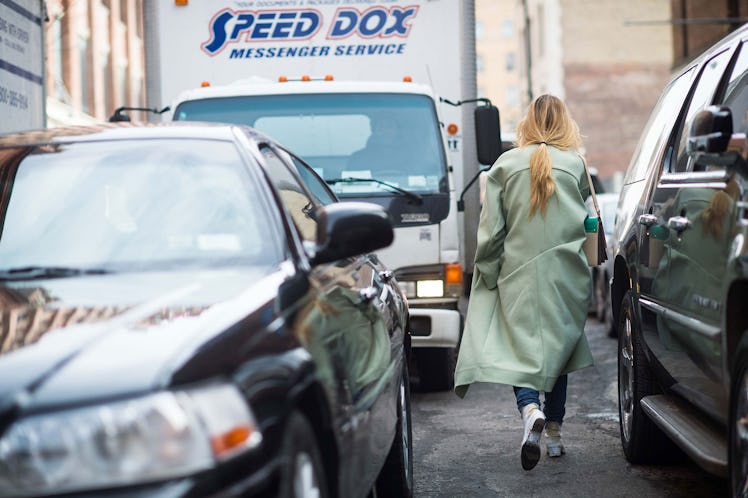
x: 531, y: 282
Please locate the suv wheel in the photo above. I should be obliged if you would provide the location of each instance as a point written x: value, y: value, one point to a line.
x: 642, y: 440
x: 738, y: 452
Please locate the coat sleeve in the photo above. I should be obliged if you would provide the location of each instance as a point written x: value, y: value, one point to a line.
x: 491, y: 234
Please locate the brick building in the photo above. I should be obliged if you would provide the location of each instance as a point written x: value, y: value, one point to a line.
x: 94, y: 59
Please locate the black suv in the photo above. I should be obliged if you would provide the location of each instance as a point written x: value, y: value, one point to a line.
x: 680, y: 279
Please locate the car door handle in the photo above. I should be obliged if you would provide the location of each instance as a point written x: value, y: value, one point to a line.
x: 386, y: 275
x: 679, y: 223
x: 647, y: 220
x: 367, y: 295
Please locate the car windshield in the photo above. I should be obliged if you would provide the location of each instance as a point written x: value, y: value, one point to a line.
x: 386, y: 137
x: 123, y: 205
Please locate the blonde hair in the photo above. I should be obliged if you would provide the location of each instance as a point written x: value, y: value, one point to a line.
x: 547, y: 122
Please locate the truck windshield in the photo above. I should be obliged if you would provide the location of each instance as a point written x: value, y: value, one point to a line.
x: 388, y: 137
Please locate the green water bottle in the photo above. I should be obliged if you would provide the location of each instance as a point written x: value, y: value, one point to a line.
x: 590, y: 224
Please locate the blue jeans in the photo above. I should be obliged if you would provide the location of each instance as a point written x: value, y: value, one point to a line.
x: 555, y: 401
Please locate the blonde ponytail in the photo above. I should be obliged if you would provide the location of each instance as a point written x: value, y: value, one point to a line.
x: 547, y: 123
x: 542, y: 186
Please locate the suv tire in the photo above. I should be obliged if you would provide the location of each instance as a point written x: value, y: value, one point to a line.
x: 642, y: 440
x: 738, y: 443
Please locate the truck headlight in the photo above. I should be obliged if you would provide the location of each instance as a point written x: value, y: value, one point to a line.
x: 154, y: 437
x: 430, y: 288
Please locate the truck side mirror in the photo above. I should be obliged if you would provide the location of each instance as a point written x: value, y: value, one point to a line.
x: 710, y: 131
x: 487, y: 133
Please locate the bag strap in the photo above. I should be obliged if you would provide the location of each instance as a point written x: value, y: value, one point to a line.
x: 592, y: 187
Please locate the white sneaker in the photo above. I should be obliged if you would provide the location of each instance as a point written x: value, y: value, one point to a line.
x: 553, y: 444
x: 534, y: 421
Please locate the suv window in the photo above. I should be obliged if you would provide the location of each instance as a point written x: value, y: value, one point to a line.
x: 736, y: 95
x: 702, y: 96
x: 664, y: 112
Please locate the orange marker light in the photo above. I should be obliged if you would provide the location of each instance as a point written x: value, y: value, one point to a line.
x: 452, y: 129
x: 282, y: 79
x: 205, y: 83
x: 453, y: 273
x: 408, y: 79
x: 181, y: 3
x: 230, y: 440
x: 306, y: 78
x: 328, y: 77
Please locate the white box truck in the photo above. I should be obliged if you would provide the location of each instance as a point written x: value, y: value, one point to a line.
x: 22, y: 96
x: 357, y: 88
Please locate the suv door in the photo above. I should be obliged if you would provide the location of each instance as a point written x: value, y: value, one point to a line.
x: 693, y: 222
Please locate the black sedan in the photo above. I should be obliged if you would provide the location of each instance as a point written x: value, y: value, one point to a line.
x: 185, y: 312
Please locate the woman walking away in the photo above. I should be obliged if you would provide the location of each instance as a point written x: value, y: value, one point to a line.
x: 530, y: 290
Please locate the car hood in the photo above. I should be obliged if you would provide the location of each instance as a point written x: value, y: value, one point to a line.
x: 69, y: 340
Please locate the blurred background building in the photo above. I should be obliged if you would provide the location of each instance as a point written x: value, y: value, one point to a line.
x: 94, y: 52
x: 607, y: 59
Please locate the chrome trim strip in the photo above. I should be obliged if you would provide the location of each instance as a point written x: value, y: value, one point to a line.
x: 715, y: 185
x: 695, y: 177
x: 708, y: 331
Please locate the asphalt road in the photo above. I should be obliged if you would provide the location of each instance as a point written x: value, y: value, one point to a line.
x: 470, y: 447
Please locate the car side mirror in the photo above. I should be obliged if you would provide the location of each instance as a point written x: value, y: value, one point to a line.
x: 711, y: 131
x: 347, y: 229
x: 487, y: 133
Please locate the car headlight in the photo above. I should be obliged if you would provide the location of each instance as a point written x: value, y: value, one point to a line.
x: 155, y: 437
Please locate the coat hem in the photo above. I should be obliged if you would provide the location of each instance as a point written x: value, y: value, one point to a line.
x: 464, y: 378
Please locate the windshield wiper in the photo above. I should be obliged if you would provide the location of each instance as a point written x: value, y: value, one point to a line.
x: 35, y: 272
x: 348, y: 179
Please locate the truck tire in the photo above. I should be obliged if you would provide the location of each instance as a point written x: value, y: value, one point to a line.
x: 436, y: 368
x: 302, y: 470
x: 396, y: 477
x: 642, y: 440
x: 738, y: 443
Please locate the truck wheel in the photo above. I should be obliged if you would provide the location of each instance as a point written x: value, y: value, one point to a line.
x: 738, y: 444
x: 642, y: 440
x: 302, y: 471
x: 436, y: 368
x: 396, y: 477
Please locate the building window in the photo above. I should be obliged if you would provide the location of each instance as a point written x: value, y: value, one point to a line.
x: 479, y: 30
x: 512, y: 96
x: 510, y: 61
x: 479, y: 63
x: 541, y: 31
x: 121, y: 92
x: 507, y: 28
x: 56, y: 33
x: 84, y: 54
x: 107, y: 95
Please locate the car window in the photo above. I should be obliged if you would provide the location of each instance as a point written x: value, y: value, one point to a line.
x: 736, y: 95
x: 665, y: 111
x: 299, y: 204
x: 702, y: 96
x: 311, y: 179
